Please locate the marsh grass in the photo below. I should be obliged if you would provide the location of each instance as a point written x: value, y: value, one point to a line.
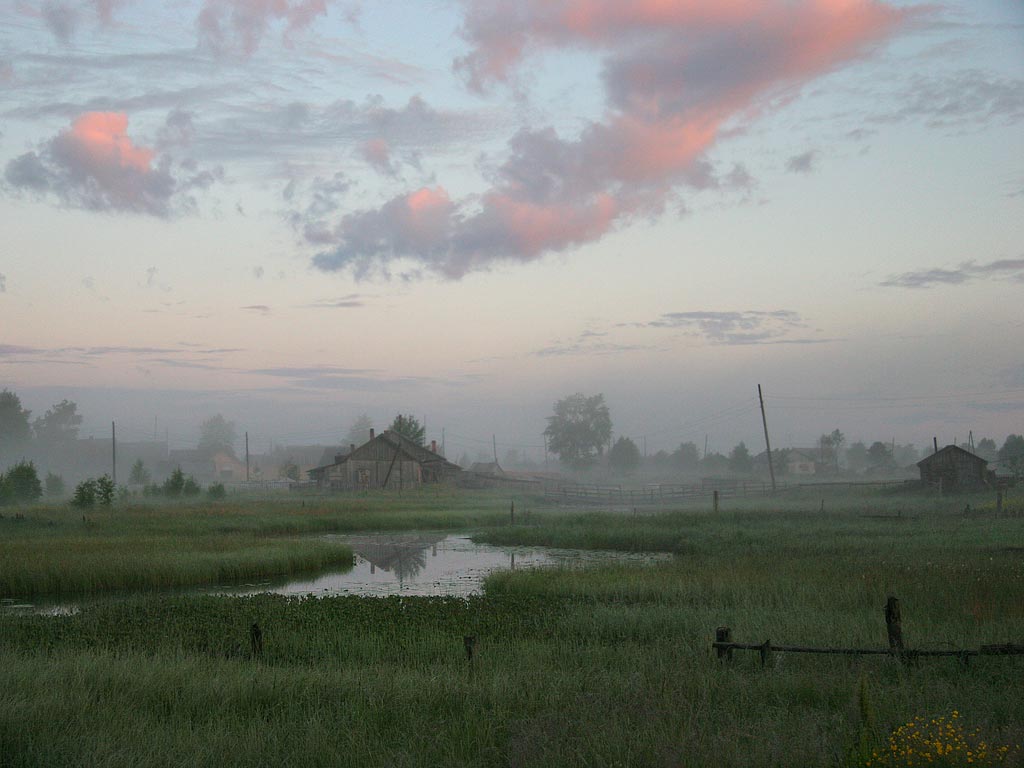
x: 599, y: 666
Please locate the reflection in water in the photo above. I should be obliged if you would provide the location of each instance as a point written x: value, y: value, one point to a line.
x: 395, y: 564
x: 404, y: 555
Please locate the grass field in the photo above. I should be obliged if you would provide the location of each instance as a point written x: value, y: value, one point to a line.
x: 597, y: 667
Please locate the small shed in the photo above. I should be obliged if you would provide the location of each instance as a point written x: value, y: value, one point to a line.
x: 386, y: 461
x: 955, y: 469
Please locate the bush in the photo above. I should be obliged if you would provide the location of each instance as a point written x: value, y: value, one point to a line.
x: 20, y: 485
x: 174, y: 484
x: 216, y: 491
x: 105, y: 489
x: 190, y: 487
x: 85, y: 494
x: 54, y: 484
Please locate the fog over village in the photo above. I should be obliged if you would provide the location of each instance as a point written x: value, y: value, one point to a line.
x: 482, y: 382
x: 295, y: 214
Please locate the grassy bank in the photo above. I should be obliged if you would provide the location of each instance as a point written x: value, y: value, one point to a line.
x: 56, y: 550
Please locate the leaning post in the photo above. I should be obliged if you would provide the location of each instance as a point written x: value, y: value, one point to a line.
x: 724, y: 635
x: 894, y: 627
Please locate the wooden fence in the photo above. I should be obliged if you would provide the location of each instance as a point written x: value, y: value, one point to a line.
x: 724, y: 646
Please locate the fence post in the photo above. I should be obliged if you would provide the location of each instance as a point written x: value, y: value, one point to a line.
x: 714, y: 498
x: 999, y: 503
x: 766, y: 653
x: 724, y: 635
x: 256, y: 641
x: 894, y: 627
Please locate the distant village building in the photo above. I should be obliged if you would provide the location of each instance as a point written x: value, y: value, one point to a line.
x: 205, y: 467
x: 954, y: 469
x: 387, y: 461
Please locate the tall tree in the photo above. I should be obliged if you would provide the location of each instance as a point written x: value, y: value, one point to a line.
x: 1011, y: 455
x: 740, y: 461
x: 687, y: 457
x: 624, y: 456
x: 579, y: 429
x: 409, y: 427
x: 217, y: 435
x: 986, y: 448
x: 14, y: 426
x: 59, y: 426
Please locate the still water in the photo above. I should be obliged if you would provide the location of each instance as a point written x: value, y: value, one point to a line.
x: 394, y: 564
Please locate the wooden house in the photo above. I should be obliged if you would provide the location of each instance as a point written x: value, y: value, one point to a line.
x: 387, y: 461
x: 954, y: 469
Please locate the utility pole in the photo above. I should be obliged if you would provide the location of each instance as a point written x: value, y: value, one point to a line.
x: 443, y: 451
x: 113, y: 451
x: 768, y: 445
x: 247, y: 457
x: 705, y: 445
x: 494, y: 444
x: 545, y: 452
x: 644, y: 440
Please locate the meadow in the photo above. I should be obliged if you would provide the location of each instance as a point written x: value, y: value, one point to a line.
x: 600, y: 667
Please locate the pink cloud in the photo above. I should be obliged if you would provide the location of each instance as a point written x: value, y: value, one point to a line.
x: 95, y: 165
x: 101, y: 138
x: 378, y: 154
x: 676, y: 74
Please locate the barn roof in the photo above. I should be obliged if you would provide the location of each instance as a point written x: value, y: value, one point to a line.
x: 948, y: 450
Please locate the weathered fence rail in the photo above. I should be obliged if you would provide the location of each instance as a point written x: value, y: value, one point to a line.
x: 724, y: 645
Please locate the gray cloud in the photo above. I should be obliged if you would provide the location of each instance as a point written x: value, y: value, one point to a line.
x: 1003, y: 269
x: 737, y: 327
x: 237, y: 27
x: 3, y: 283
x: 351, y: 301
x: 961, y: 98
x: 94, y: 165
x: 802, y: 163
x: 262, y: 309
x: 62, y: 20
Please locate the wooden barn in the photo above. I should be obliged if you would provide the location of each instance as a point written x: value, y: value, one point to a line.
x: 954, y: 469
x: 387, y: 461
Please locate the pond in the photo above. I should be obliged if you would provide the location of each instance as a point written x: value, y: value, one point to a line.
x: 396, y: 564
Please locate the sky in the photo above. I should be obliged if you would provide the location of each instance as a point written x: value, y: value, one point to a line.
x: 293, y: 212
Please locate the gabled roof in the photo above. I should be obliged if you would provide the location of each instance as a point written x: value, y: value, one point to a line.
x: 950, y: 449
x: 406, y: 448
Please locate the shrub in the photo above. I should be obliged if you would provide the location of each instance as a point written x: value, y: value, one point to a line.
x: 174, y: 484
x: 20, y: 485
x: 190, y: 487
x: 85, y: 494
x: 105, y: 489
x: 54, y: 484
x: 216, y: 491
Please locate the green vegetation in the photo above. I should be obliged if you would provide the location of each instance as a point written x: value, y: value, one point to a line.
x: 603, y: 666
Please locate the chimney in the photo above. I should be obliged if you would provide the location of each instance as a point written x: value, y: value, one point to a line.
x: 351, y: 447
x: 935, y: 443
x: 372, y: 434
x: 433, y: 446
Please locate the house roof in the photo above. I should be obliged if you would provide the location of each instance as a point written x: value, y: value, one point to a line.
x: 406, y: 447
x: 950, y: 449
x: 487, y: 468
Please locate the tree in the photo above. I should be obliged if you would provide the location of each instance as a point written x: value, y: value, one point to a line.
x: 85, y: 494
x: 829, y: 446
x: 624, y: 456
x: 139, y: 474
x: 880, y: 456
x: 686, y: 457
x: 1011, y: 455
x: 20, y: 485
x: 359, y: 432
x: 714, y: 463
x: 857, y: 457
x: 410, y: 428
x: 172, y: 485
x: 740, y: 461
x: 105, y: 489
x: 289, y: 470
x: 579, y: 430
x: 14, y: 427
x: 54, y: 484
x: 986, y: 449
x: 59, y: 426
x: 217, y: 435
x: 190, y: 487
